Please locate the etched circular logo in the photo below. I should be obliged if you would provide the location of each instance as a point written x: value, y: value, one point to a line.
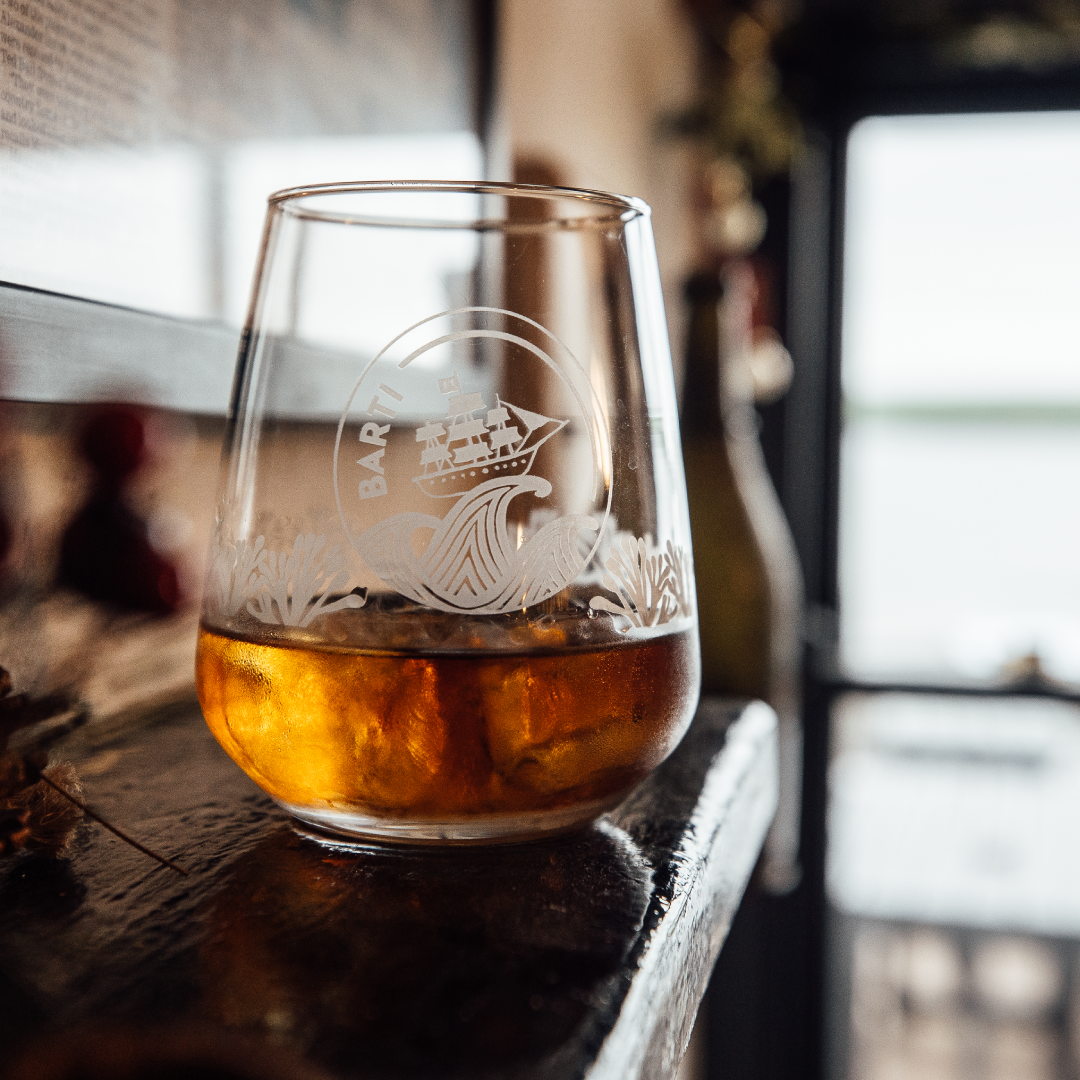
x: 471, y: 470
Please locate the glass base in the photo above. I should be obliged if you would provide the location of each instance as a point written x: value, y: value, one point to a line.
x: 350, y: 828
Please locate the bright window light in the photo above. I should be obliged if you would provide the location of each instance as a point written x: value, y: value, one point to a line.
x: 962, y: 259
x: 960, y: 468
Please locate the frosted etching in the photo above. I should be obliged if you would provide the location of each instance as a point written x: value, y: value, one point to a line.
x: 235, y: 573
x: 464, y: 491
x: 482, y: 458
x: 650, y: 589
x: 288, y: 589
x: 298, y: 584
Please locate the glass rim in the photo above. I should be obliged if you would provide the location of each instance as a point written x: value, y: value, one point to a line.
x: 627, y: 207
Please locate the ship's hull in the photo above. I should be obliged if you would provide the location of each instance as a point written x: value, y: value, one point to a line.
x: 451, y: 483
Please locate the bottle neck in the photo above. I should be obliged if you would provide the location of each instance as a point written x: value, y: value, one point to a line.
x: 702, y: 404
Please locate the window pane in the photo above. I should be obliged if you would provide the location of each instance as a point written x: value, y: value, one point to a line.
x: 960, y: 467
x: 962, y: 259
x: 954, y: 881
x: 960, y: 547
x: 957, y: 810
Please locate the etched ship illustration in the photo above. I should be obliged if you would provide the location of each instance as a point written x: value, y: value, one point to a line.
x: 467, y: 449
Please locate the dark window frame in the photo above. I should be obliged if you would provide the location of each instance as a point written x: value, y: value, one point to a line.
x: 841, y: 72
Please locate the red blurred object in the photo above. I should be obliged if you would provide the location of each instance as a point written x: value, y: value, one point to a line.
x: 763, y: 312
x: 113, y: 441
x: 106, y: 552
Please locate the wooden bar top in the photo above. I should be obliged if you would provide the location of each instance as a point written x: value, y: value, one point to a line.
x: 584, y: 956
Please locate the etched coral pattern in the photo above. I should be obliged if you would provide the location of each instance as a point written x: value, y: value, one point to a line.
x: 682, y: 580
x: 297, y: 585
x: 237, y: 570
x: 651, y: 589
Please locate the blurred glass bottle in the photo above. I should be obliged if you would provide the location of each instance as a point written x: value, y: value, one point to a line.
x: 749, y: 586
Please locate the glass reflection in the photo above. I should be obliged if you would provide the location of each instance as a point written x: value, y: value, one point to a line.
x: 424, y: 962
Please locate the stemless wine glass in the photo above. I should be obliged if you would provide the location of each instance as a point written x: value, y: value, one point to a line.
x: 450, y: 594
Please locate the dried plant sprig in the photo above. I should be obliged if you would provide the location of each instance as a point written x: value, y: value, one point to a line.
x: 112, y: 828
x: 48, y: 817
x: 29, y: 817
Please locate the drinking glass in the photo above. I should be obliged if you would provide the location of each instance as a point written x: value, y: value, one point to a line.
x: 450, y: 595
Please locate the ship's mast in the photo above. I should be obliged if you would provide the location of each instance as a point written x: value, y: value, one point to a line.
x: 501, y: 437
x: 466, y: 429
x: 434, y: 452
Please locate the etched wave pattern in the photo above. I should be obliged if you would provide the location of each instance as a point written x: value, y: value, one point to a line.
x: 471, y: 563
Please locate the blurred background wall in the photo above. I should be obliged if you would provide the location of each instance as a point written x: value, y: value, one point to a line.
x: 591, y: 90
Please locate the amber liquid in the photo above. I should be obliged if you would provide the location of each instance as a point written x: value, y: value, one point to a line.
x: 447, y: 737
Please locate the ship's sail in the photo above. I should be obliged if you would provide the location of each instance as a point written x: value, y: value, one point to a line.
x: 506, y: 438
x: 459, y: 404
x: 434, y: 455
x: 429, y: 432
x: 532, y: 420
x: 466, y: 429
x: 434, y: 452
